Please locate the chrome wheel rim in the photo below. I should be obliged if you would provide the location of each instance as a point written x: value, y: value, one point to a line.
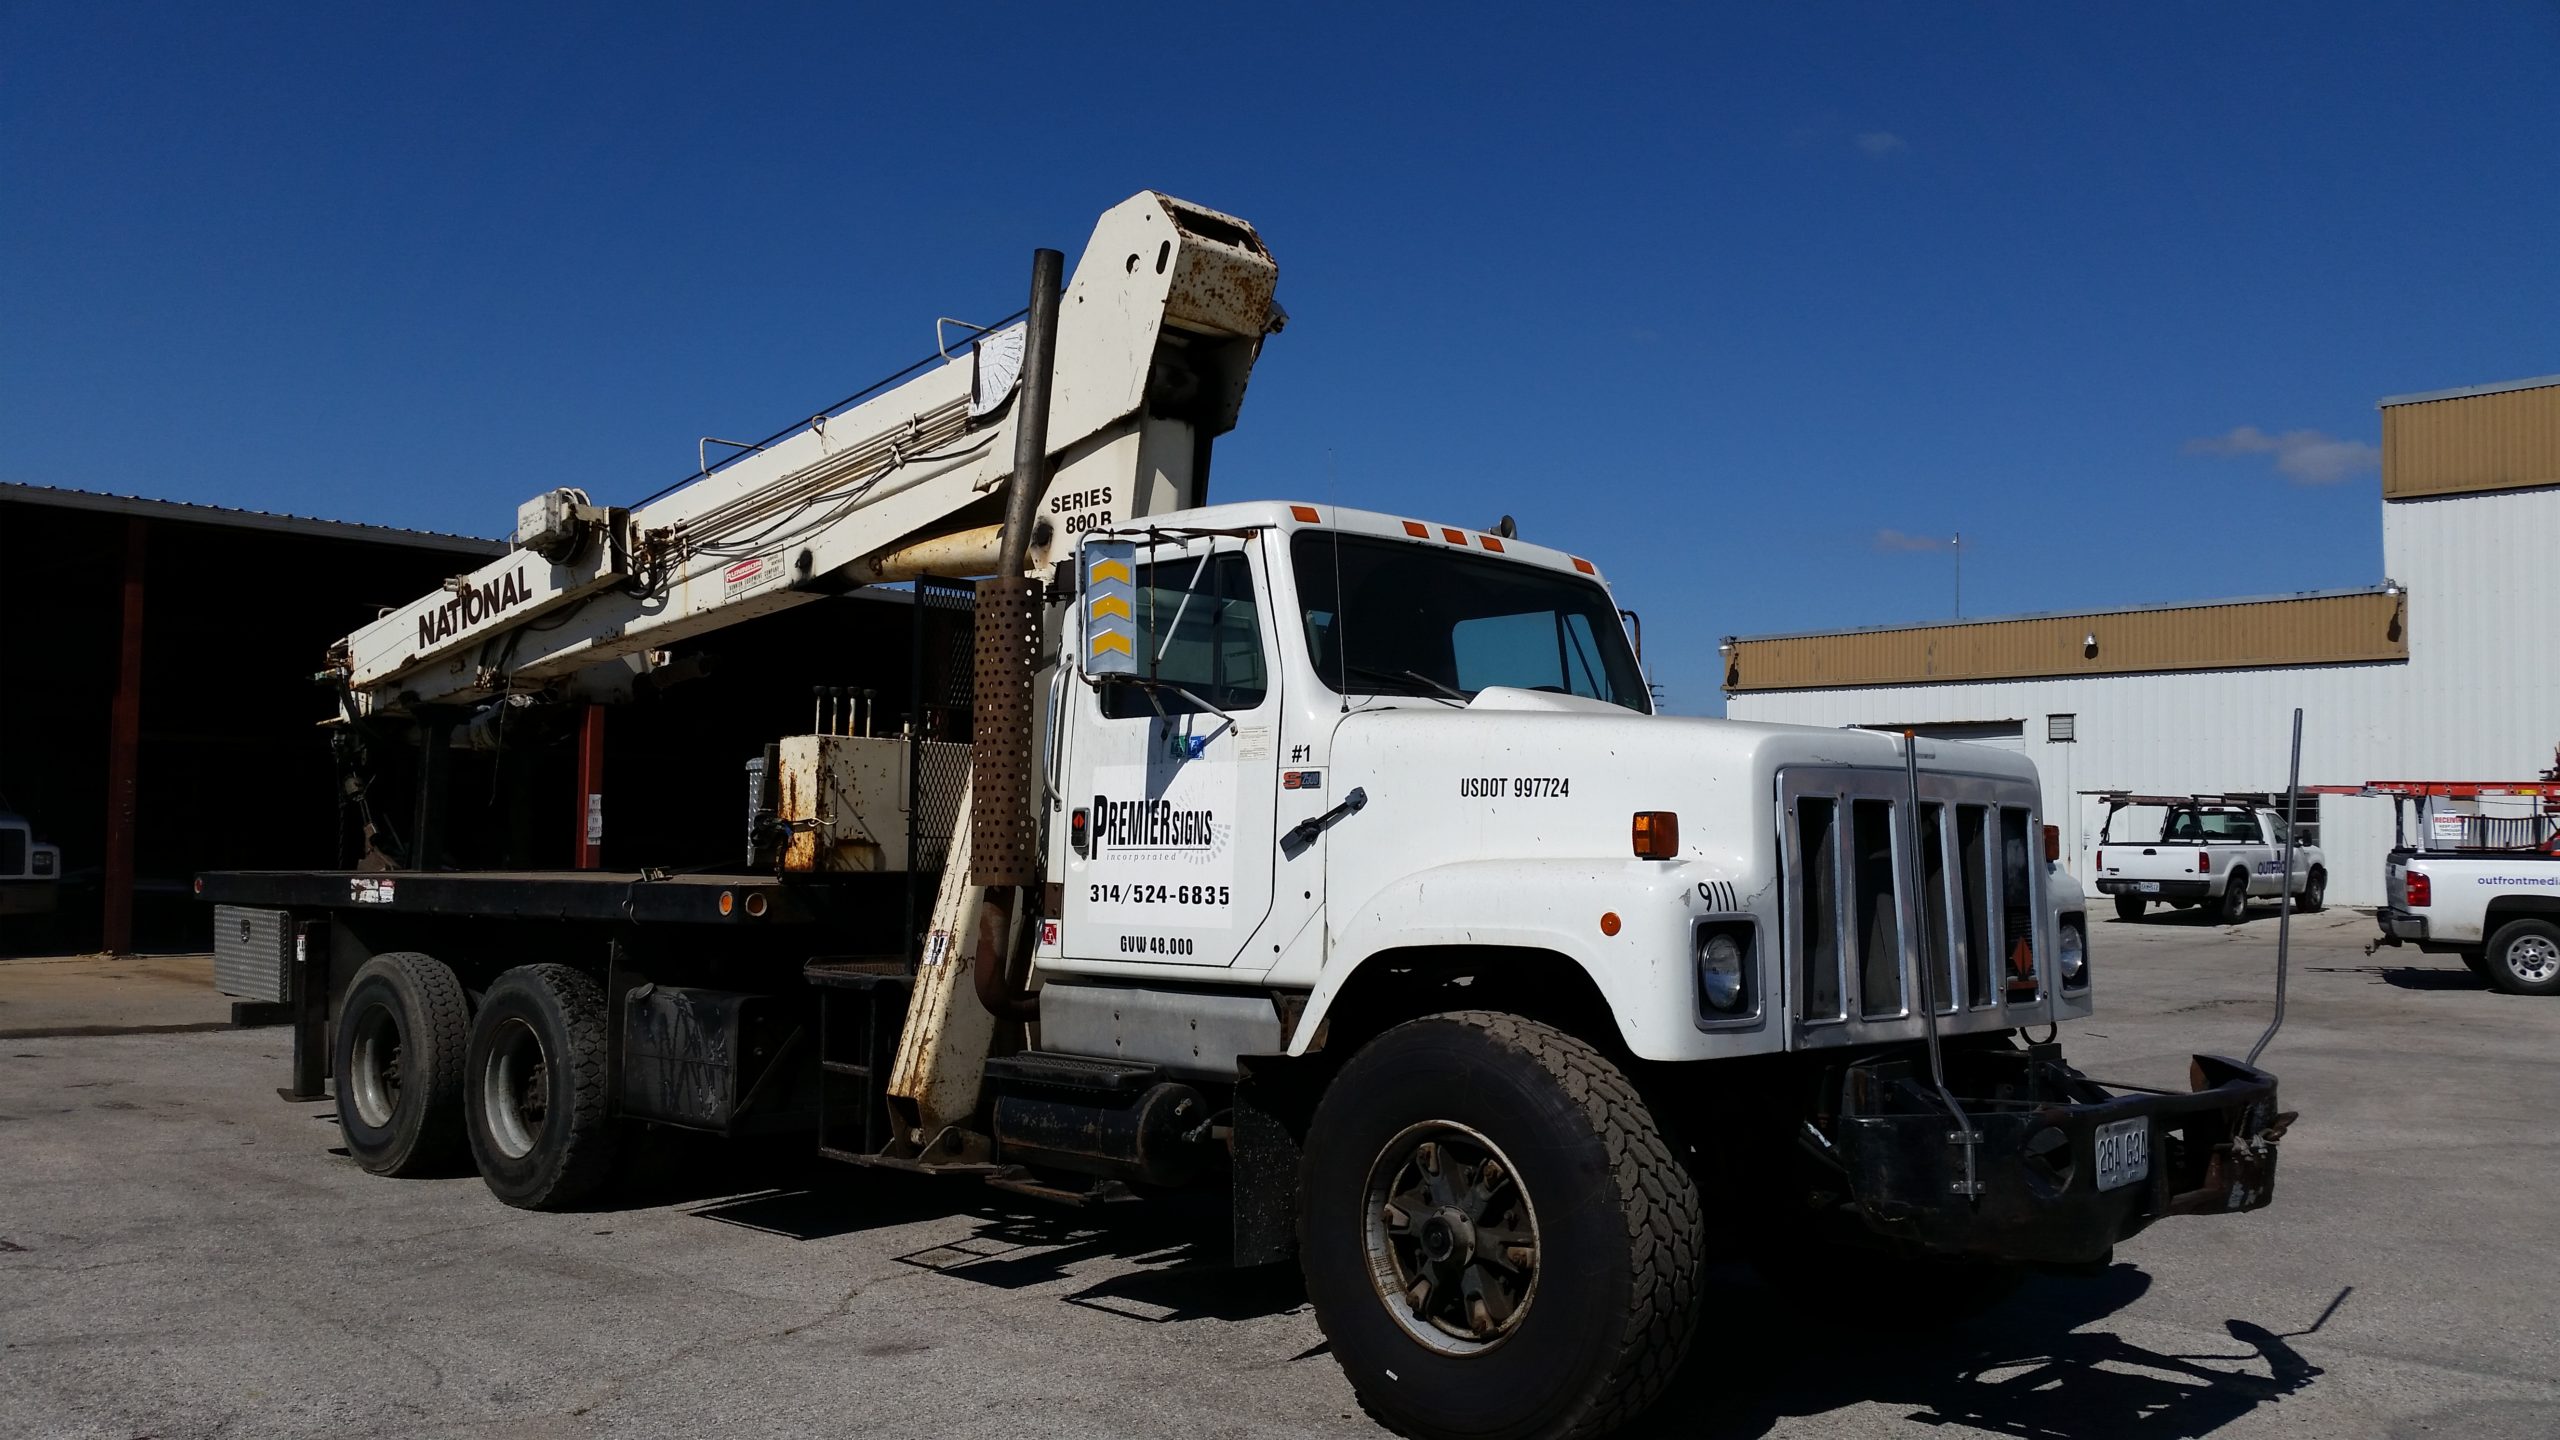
x: 2533, y: 959
x: 1452, y: 1237
x: 515, y: 1089
x: 373, y: 1060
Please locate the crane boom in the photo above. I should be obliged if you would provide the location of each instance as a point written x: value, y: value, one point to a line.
x: 1157, y: 336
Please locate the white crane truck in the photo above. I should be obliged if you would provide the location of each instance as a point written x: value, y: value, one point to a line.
x: 1334, y: 858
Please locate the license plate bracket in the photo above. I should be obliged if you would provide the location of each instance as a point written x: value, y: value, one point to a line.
x: 2123, y: 1153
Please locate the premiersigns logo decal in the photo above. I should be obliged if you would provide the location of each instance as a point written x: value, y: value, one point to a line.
x: 472, y: 605
x: 1157, y: 825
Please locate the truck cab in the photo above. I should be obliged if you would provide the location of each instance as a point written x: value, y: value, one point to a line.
x: 1320, y: 736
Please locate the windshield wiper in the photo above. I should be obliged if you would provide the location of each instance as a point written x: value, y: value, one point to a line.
x: 1415, y: 676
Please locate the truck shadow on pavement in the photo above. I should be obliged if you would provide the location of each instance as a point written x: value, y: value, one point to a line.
x: 2026, y: 1369
x: 2034, y: 1367
x: 2411, y: 977
x: 1163, y: 1262
x: 1160, y: 1262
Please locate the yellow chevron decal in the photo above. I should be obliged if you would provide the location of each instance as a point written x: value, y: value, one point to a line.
x: 1110, y: 570
x: 1113, y: 605
x: 1111, y: 642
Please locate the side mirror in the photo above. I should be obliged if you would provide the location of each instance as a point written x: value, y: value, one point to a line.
x: 1106, y: 594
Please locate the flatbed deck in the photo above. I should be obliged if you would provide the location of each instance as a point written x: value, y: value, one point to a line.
x: 639, y: 897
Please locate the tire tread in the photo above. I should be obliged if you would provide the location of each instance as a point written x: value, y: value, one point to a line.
x: 1658, y: 1198
x: 446, y: 1021
x: 587, y: 1152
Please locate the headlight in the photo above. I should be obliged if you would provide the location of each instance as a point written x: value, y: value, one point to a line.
x: 1721, y: 981
x: 2074, y: 955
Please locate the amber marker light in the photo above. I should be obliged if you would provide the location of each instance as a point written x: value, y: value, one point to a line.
x: 1417, y: 530
x: 728, y: 902
x: 1585, y: 566
x: 1305, y: 513
x: 1608, y: 922
x: 1657, y: 835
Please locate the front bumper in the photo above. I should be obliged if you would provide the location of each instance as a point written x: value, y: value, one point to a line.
x: 2212, y: 1151
x: 2158, y: 889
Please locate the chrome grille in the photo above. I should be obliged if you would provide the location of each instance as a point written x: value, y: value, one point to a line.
x: 1876, y: 897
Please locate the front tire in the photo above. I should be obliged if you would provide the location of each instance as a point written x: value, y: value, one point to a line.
x: 1498, y: 1241
x: 2128, y: 907
x: 399, y: 1063
x: 2315, y: 892
x: 2524, y: 958
x: 2235, y: 898
x: 536, y: 1088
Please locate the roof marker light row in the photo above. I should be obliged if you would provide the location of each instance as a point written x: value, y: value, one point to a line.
x: 1306, y: 514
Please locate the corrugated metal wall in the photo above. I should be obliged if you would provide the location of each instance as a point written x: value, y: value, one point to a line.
x: 2505, y: 441
x: 2478, y: 698
x: 2320, y: 629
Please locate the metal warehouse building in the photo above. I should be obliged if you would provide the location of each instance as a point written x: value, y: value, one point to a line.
x: 2444, y: 670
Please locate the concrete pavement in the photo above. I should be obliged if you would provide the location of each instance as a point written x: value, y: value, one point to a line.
x: 108, y: 995
x: 181, y: 1254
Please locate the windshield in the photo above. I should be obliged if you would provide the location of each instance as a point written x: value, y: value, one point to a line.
x: 1387, y: 618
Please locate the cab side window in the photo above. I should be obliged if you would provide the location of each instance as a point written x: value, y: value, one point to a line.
x: 2228, y: 827
x: 1199, y: 628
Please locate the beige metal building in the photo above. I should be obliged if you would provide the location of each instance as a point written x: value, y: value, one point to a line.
x: 2445, y: 669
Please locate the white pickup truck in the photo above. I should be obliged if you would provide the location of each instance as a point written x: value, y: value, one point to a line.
x: 2484, y: 887
x: 2210, y: 851
x: 30, y: 871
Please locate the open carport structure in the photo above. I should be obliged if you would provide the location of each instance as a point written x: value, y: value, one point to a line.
x: 158, y: 716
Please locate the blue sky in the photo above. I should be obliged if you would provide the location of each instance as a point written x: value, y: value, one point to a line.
x: 1750, y: 303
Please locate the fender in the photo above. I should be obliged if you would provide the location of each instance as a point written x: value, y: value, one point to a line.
x: 1643, y: 971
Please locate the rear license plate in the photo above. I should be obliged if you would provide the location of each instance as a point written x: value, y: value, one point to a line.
x: 2147, y: 887
x: 2124, y: 1153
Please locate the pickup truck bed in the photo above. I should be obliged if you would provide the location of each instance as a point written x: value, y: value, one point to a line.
x: 2497, y: 909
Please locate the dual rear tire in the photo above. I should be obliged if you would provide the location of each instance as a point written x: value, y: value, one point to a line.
x: 519, y: 1085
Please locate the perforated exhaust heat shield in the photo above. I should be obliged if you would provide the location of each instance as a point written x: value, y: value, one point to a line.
x: 1004, y: 846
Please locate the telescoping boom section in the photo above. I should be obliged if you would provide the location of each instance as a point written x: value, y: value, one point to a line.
x: 1157, y: 335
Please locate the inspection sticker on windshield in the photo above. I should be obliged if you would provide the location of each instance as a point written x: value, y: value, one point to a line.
x: 2124, y: 1153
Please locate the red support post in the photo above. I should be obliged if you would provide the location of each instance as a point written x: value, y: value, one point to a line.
x: 590, y: 832
x: 124, y: 749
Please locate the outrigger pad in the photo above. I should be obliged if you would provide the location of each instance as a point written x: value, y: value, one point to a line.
x: 2034, y: 1192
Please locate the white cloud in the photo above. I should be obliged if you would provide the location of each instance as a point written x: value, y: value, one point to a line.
x: 1881, y: 143
x: 1896, y: 542
x: 2306, y: 457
